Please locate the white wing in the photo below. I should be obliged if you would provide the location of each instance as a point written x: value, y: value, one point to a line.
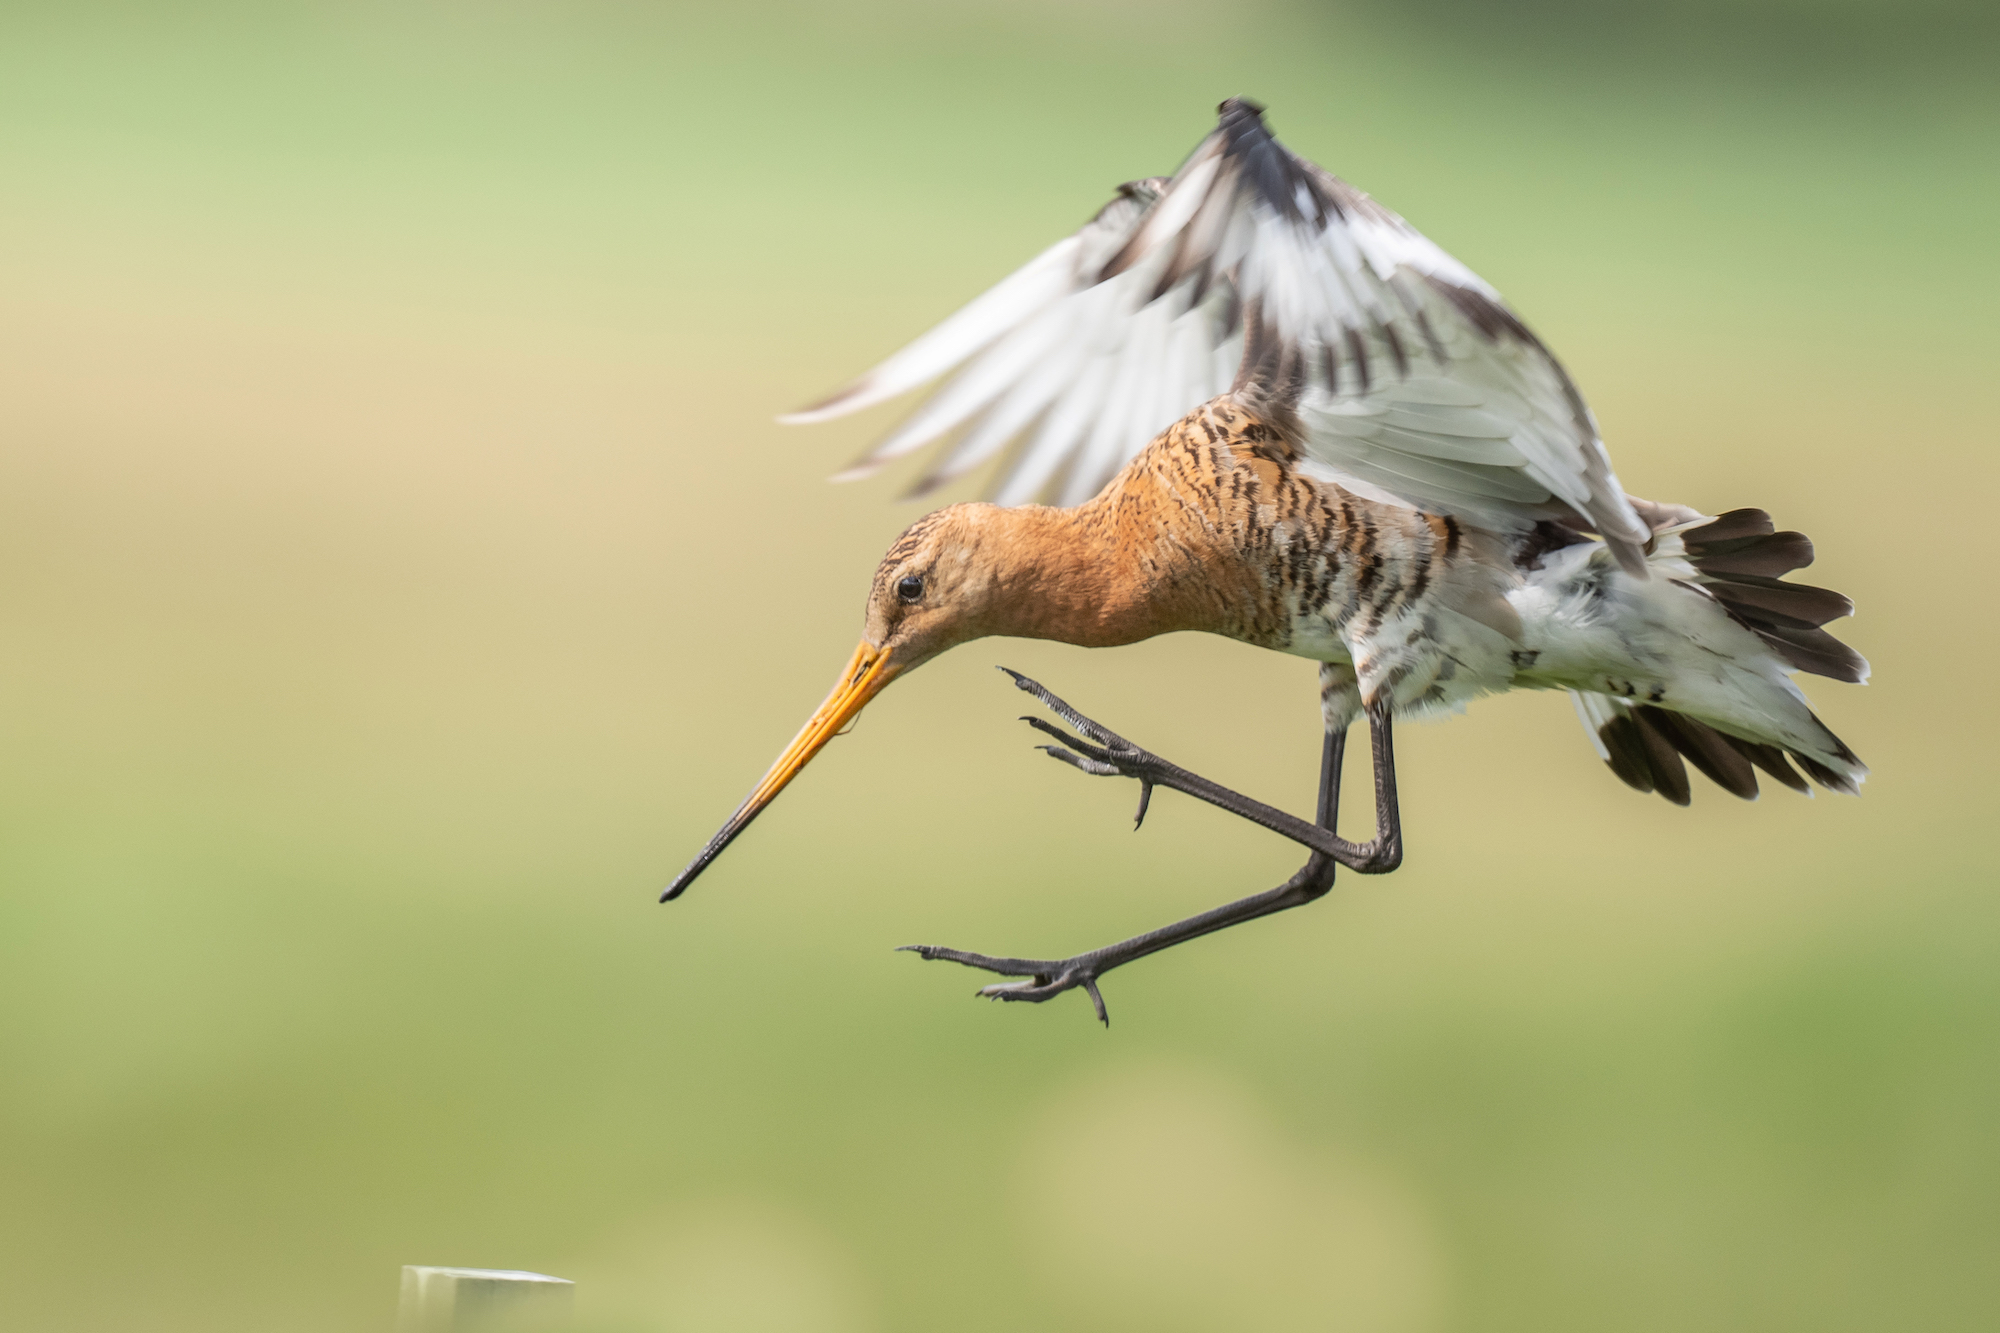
x: 1407, y: 378
x: 1076, y: 371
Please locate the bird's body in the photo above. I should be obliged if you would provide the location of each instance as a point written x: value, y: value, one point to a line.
x: 1220, y: 526
x: 1268, y: 408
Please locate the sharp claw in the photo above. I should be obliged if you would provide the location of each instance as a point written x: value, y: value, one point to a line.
x: 1145, y: 799
x: 1090, y: 988
x: 1040, y: 691
x: 1031, y: 686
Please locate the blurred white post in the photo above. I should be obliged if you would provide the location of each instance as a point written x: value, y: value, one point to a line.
x: 482, y: 1300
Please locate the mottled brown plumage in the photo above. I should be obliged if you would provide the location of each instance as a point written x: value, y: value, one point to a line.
x: 1212, y: 527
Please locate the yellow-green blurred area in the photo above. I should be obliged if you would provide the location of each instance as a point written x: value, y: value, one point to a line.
x: 402, y: 576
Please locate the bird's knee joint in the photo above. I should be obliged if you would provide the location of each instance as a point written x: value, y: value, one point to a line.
x: 1382, y: 860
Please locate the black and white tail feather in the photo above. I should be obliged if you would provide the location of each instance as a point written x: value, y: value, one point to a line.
x: 1731, y: 708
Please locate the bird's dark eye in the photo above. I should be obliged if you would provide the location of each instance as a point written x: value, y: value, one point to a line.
x: 910, y: 587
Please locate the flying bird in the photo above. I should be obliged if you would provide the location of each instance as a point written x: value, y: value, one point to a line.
x: 1250, y: 400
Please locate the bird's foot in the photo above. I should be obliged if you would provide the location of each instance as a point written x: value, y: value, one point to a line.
x: 1044, y: 978
x: 1096, y: 749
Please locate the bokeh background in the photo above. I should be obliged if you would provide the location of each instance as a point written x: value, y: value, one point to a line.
x: 402, y: 576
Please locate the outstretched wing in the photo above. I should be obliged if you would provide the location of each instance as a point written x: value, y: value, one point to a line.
x: 1407, y: 378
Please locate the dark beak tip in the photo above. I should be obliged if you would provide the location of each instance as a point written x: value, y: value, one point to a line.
x: 687, y: 877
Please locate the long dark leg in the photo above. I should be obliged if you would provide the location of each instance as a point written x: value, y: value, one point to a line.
x: 1099, y: 750
x: 1047, y: 978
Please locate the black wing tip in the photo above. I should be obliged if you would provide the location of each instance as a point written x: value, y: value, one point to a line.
x: 1287, y: 184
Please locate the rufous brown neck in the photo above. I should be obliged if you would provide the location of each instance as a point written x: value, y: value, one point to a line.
x: 1090, y: 576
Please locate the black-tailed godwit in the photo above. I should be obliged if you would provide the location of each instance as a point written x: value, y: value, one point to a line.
x: 1266, y: 407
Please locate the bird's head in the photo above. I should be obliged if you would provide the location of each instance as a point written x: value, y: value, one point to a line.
x: 950, y: 578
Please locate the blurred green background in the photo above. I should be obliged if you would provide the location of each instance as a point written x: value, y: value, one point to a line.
x: 403, y: 575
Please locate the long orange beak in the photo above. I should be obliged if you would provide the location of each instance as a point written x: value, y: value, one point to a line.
x: 867, y: 672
